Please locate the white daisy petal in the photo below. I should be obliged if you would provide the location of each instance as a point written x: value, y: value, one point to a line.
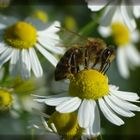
x: 49, y: 44
x: 136, y: 11
x: 45, y: 124
x: 40, y: 100
x: 129, y: 96
x: 69, y: 106
x: 113, y: 87
x: 123, y: 104
x: 56, y: 101
x: 105, y: 31
x: 84, y: 113
x: 14, y: 63
x: 130, y: 22
x: 35, y: 64
x: 134, y: 58
x: 96, y: 5
x: 2, y: 47
x: 25, y: 64
x: 53, y: 28
x: 108, y: 15
x: 95, y: 127
x: 53, y: 127
x: 112, y: 117
x: 117, y: 109
x: 47, y: 55
x: 6, y: 55
x: 122, y: 62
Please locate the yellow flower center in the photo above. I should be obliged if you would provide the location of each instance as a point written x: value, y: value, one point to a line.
x: 41, y: 15
x: 66, y: 124
x: 120, y: 33
x: 21, y: 35
x: 70, y: 23
x: 5, y: 99
x: 89, y: 84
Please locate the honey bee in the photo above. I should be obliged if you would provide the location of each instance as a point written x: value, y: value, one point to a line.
x: 94, y: 54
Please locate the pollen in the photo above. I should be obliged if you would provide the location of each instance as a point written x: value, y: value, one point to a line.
x: 121, y: 34
x: 20, y: 35
x: 89, y: 84
x: 66, y: 124
x: 5, y: 99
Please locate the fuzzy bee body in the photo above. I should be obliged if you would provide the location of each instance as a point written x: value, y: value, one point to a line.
x: 93, y: 52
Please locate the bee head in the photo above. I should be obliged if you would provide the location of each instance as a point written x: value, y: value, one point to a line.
x: 108, y: 54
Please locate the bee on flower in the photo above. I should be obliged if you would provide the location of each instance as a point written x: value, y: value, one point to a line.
x: 127, y: 55
x: 89, y: 90
x: 129, y: 10
x: 20, y: 41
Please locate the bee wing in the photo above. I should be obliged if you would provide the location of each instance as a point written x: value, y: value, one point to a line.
x: 71, y: 38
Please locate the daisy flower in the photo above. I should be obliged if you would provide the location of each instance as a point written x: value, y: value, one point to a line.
x: 63, y: 124
x: 88, y: 91
x: 19, y: 41
x: 128, y: 10
x: 5, y: 99
x: 127, y: 54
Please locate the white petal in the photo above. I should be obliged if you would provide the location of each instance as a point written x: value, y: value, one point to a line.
x: 96, y: 5
x: 117, y: 109
x: 35, y: 64
x: 47, y: 55
x: 14, y: 63
x: 122, y: 63
x: 104, y: 31
x: 53, y: 127
x: 45, y: 124
x: 136, y: 11
x: 123, y: 104
x: 56, y: 101
x: 52, y: 29
x: 108, y: 15
x: 40, y: 100
x: 113, y: 87
x: 134, y: 37
x: 111, y: 116
x: 129, y: 96
x: 84, y: 113
x: 95, y: 127
x: 134, y: 58
x: 69, y: 106
x: 2, y: 47
x: 25, y: 64
x: 50, y: 44
x: 6, y: 55
x: 130, y: 22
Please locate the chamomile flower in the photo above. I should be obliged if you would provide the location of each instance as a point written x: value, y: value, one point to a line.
x: 127, y: 54
x: 128, y: 10
x: 19, y: 41
x: 5, y: 99
x: 88, y: 91
x: 64, y: 125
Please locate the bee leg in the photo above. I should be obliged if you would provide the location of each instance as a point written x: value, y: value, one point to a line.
x: 70, y: 64
x: 74, y: 68
x: 105, y: 67
x: 96, y: 61
x: 86, y: 59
